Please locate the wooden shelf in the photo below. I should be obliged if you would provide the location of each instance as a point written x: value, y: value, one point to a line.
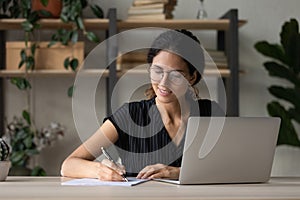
x: 15, y: 24
x: 92, y: 72
x: 102, y: 24
x: 209, y: 24
x: 48, y: 73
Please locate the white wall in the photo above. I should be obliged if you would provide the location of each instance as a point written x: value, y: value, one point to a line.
x: 264, y: 17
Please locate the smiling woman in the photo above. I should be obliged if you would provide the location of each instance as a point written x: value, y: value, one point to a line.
x: 149, y: 134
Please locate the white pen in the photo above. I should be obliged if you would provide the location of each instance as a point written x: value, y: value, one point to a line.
x: 112, y: 160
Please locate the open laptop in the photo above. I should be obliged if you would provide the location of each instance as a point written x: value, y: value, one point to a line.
x: 228, y: 150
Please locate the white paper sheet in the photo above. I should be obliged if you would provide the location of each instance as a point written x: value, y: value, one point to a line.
x: 95, y: 182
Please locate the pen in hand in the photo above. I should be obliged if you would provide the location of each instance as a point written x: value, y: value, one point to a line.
x: 110, y: 159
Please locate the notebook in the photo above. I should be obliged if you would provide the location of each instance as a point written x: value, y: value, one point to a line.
x: 228, y: 150
x: 96, y: 182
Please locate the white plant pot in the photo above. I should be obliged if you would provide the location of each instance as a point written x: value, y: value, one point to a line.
x: 286, y: 161
x: 4, y: 166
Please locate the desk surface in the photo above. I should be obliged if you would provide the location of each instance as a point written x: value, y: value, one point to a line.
x: 51, y: 188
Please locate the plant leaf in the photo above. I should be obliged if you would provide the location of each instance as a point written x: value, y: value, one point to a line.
x: 27, y: 26
x: 30, y: 63
x: 98, y: 12
x: 33, y: 48
x: 44, y: 2
x: 21, y: 83
x: 287, y: 133
x: 290, y: 40
x: 70, y: 91
x: 17, y: 158
x: 38, y: 171
x: 67, y: 63
x: 288, y: 29
x: 79, y: 23
x: 51, y: 43
x: 74, y: 64
x: 288, y: 94
x: 271, y: 50
x: 74, y: 37
x: 26, y: 116
x: 44, y: 13
x: 281, y: 71
x: 23, y: 55
x: 92, y: 37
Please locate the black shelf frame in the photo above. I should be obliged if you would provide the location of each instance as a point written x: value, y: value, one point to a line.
x: 227, y: 41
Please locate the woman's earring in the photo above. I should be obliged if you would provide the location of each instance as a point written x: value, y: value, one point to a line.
x: 194, y: 92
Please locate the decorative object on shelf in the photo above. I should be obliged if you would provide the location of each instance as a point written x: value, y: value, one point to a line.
x: 4, y: 163
x: 201, y: 14
x: 44, y: 55
x: 26, y: 141
x: 151, y: 9
x: 286, y: 65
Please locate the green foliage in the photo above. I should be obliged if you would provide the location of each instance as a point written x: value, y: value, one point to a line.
x: 9, y: 9
x: 71, y: 91
x: 21, y: 83
x: 72, y: 14
x: 38, y: 171
x: 22, y: 143
x: 285, y: 65
x: 4, y: 150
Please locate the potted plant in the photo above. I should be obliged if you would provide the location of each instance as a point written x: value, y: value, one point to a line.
x: 285, y: 65
x: 47, y: 8
x: 26, y: 141
x: 4, y: 163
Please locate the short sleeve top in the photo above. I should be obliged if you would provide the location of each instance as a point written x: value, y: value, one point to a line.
x: 142, y: 138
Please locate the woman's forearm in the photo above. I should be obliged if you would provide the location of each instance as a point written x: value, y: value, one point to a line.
x: 80, y: 168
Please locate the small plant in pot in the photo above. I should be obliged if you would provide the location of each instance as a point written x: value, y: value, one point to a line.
x: 4, y: 162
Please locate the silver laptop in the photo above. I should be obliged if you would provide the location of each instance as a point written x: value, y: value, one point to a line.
x: 228, y: 150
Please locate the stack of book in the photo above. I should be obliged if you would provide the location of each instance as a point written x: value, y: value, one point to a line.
x: 151, y: 9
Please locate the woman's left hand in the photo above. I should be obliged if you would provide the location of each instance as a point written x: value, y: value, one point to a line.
x: 159, y: 171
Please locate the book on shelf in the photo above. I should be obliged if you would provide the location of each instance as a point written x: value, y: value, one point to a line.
x: 132, y: 11
x: 217, y: 56
x: 159, y: 16
x: 151, y: 9
x: 148, y: 6
x: 148, y: 2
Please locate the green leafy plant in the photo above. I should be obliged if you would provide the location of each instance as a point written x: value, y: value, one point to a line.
x: 30, y: 24
x: 72, y: 14
x: 26, y: 141
x: 286, y: 65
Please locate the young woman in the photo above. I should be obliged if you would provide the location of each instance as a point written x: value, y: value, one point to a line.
x: 149, y: 134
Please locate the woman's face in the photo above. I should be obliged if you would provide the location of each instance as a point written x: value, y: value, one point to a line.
x: 170, y: 77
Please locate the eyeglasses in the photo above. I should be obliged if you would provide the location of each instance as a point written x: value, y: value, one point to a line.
x: 157, y: 74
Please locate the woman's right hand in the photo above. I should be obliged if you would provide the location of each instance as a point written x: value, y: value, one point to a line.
x: 108, y: 171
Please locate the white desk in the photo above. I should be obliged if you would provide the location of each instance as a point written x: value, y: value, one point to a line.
x: 50, y: 188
